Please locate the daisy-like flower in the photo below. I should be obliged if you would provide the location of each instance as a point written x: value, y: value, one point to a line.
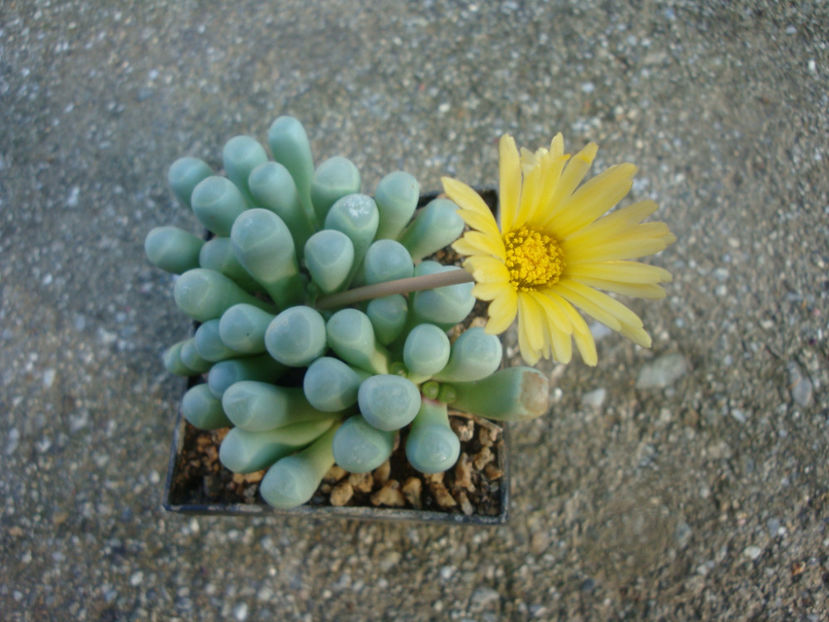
x: 556, y: 247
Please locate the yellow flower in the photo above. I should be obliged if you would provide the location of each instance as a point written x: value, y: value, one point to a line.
x: 556, y: 247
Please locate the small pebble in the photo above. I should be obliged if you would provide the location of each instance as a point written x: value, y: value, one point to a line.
x: 48, y: 378
x: 595, y: 398
x: 144, y: 93
x: 802, y: 391
x: 683, y: 534
x: 381, y: 473
x: 463, y: 428
x: 493, y: 472
x: 738, y: 414
x: 721, y: 274
x: 412, y: 489
x: 256, y: 476
x: 389, y: 560
x: 72, y: 199
x: 482, y: 597
x: 482, y: 458
x: 335, y: 474
x: 466, y: 506
x: 389, y: 495
x: 12, y: 440
x: 463, y: 473
x: 487, y: 436
x: 240, y: 612
x: 341, y: 494
x: 662, y: 372
x: 363, y: 482
x: 438, y: 488
x: 753, y: 552
x: 799, y: 385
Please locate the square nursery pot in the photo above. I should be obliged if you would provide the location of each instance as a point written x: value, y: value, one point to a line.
x: 474, y: 492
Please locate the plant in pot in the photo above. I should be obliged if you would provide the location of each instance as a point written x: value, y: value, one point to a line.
x: 337, y: 361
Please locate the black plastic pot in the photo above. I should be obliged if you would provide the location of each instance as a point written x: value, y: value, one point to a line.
x: 175, y: 501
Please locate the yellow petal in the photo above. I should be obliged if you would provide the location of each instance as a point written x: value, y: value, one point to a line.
x: 620, y: 271
x: 560, y: 340
x: 587, y: 348
x: 559, y: 326
x: 589, y: 306
x: 551, y: 167
x: 597, y: 304
x: 469, y: 200
x: 529, y: 341
x: 593, y: 301
x: 571, y: 176
x: 556, y: 339
x: 489, y: 291
x: 502, y: 311
x: 509, y: 185
x: 556, y: 315
x: 638, y: 241
x: 476, y: 243
x: 538, y: 329
x: 632, y: 214
x: 635, y: 290
x: 530, y: 160
x: 487, y: 269
x: 557, y: 145
x: 562, y: 346
x: 581, y: 333
x: 528, y: 353
x: 615, y: 223
x: 593, y: 199
x: 484, y: 224
x: 530, y: 195
x: 531, y: 320
x: 637, y: 336
x: 527, y: 158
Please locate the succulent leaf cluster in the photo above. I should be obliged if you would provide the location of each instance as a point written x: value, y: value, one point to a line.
x: 304, y: 387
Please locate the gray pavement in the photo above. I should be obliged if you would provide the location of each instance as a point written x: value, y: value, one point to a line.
x: 688, y: 481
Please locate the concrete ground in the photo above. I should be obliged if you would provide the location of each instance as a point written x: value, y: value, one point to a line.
x: 700, y: 493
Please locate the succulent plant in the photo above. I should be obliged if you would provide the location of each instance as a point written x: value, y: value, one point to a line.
x: 322, y: 319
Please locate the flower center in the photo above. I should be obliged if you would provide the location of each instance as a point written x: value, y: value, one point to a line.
x: 534, y: 259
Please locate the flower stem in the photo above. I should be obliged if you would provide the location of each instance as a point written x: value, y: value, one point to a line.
x: 399, y: 286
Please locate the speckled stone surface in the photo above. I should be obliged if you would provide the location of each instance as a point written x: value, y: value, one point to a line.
x: 688, y: 481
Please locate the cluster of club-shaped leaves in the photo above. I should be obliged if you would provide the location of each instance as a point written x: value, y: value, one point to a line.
x: 304, y: 388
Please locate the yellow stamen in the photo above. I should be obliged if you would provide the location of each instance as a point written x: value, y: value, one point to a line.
x: 533, y: 259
